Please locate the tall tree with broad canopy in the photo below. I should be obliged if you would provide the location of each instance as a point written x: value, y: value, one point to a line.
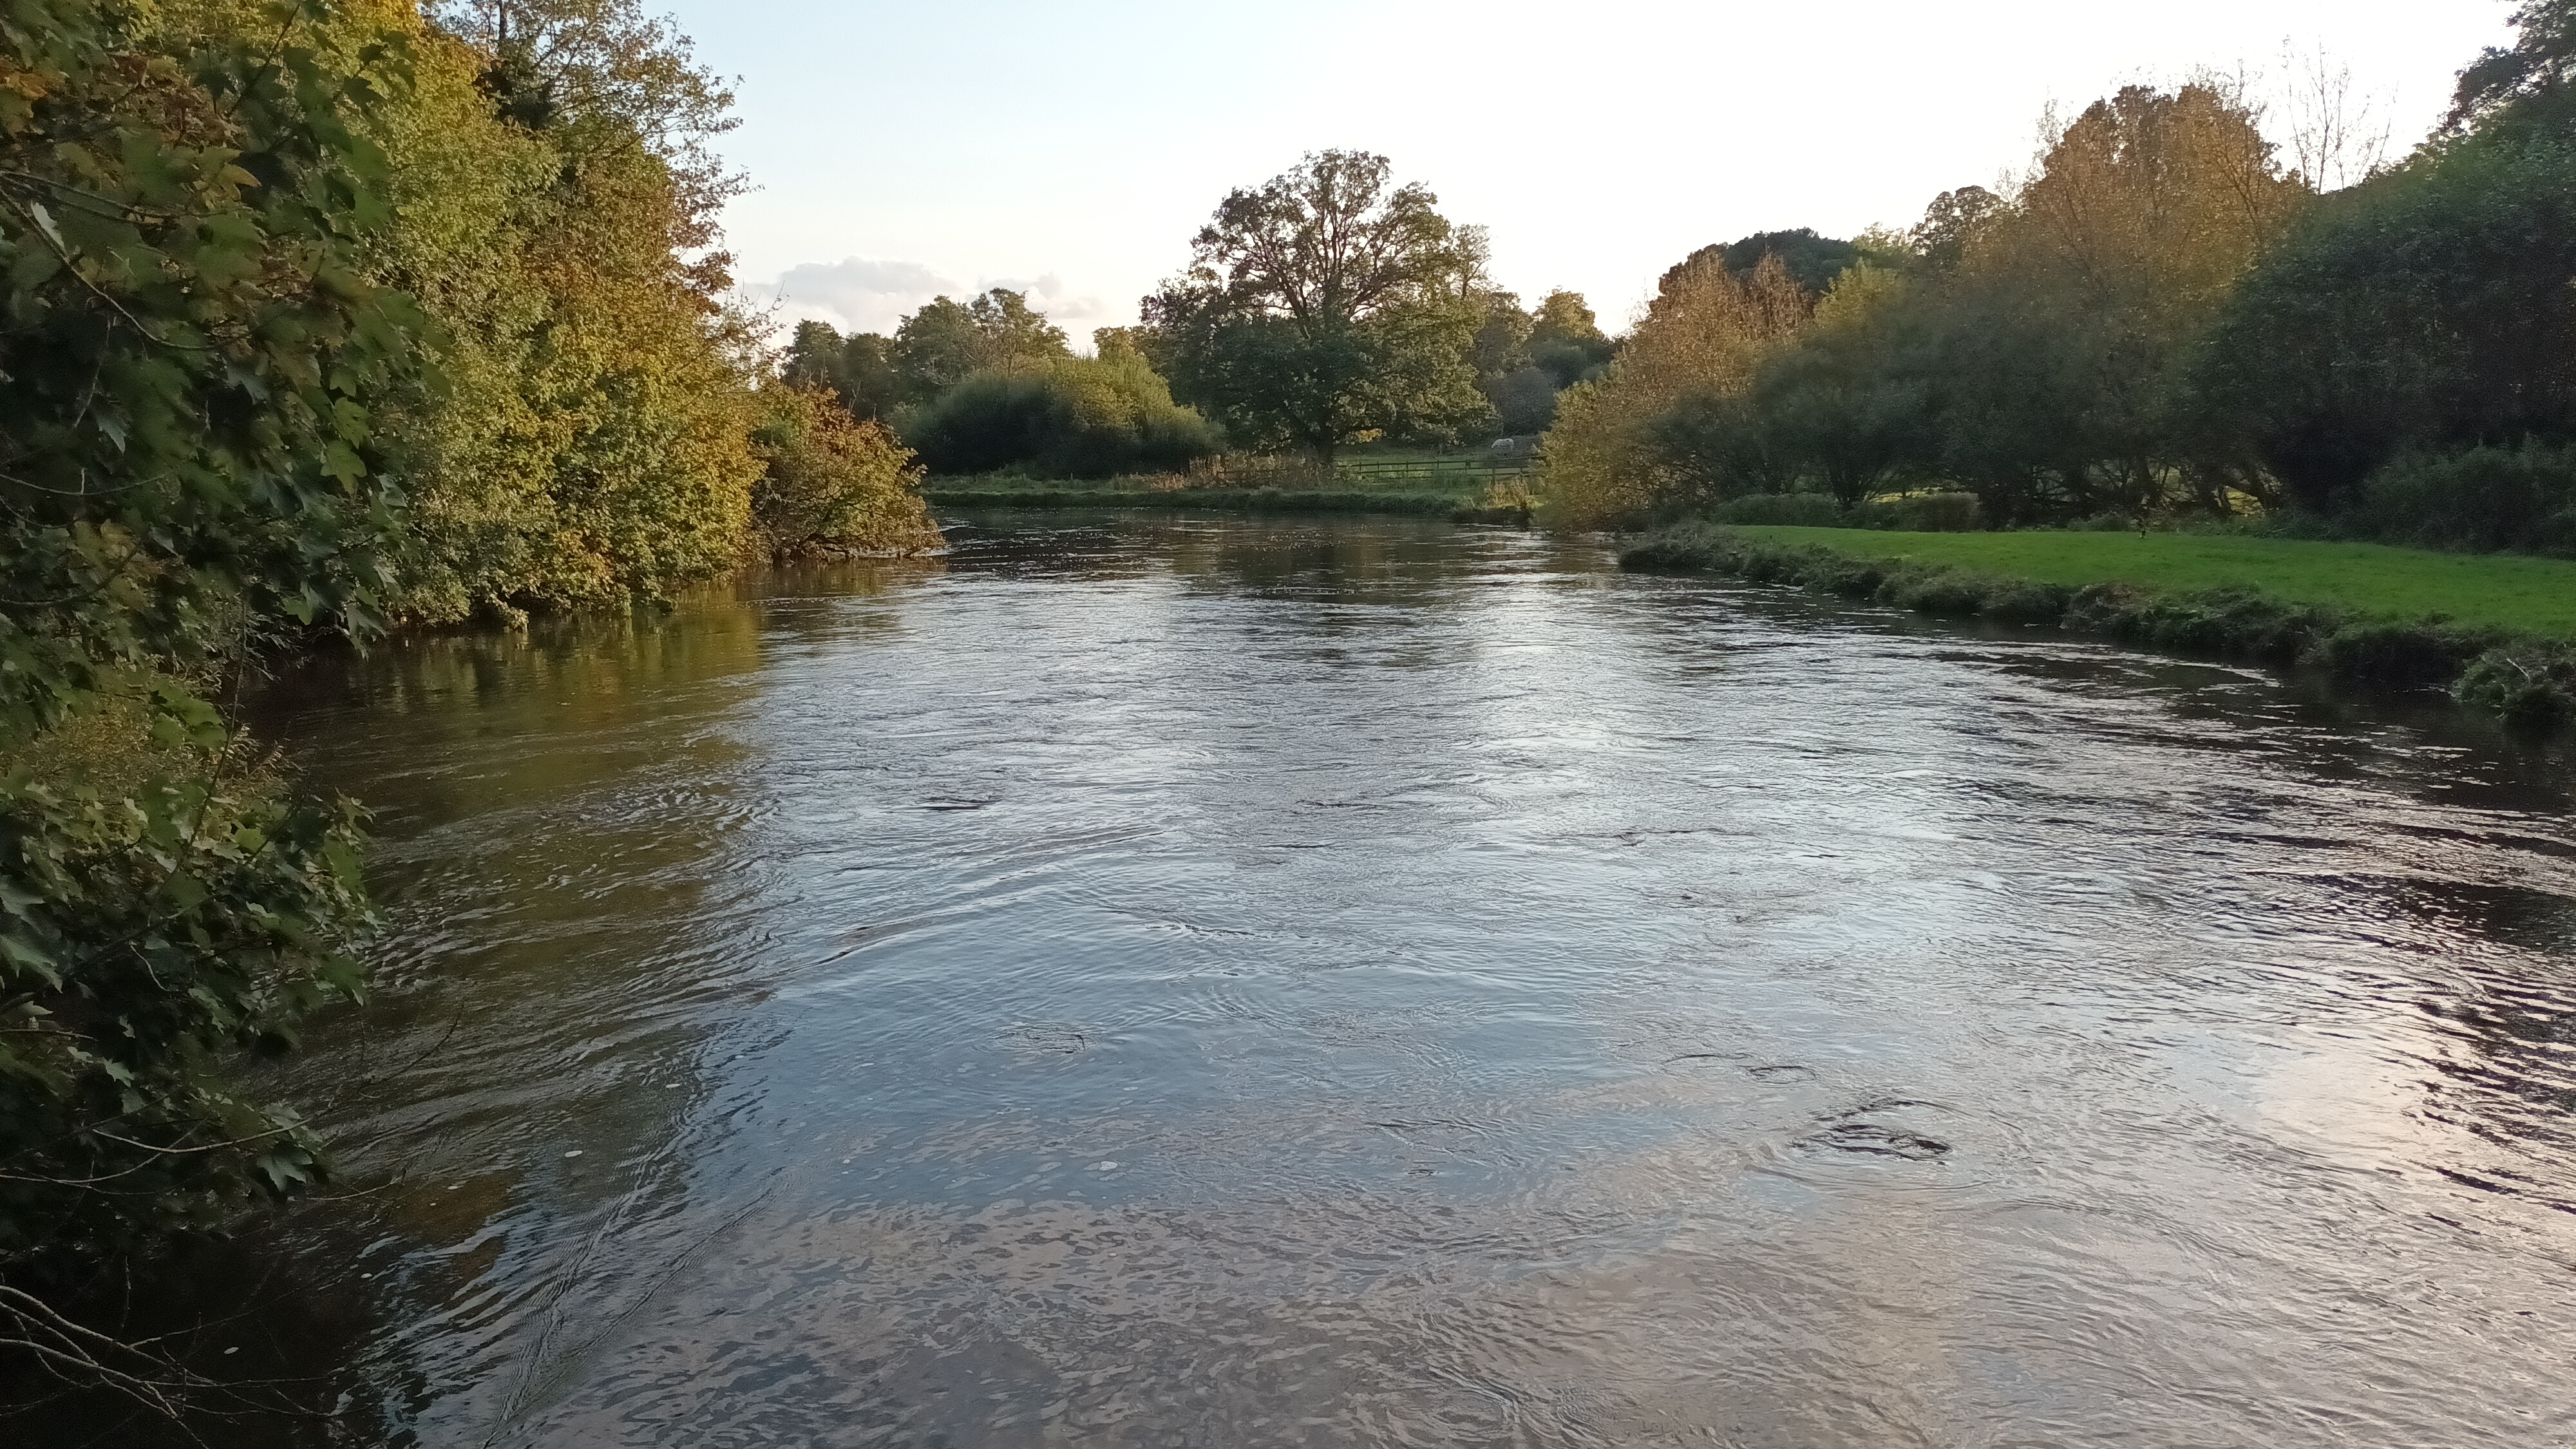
x: 1326, y: 305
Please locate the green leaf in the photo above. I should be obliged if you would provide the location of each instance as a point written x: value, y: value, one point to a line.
x: 184, y: 891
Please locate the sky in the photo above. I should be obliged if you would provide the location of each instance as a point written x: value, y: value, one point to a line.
x: 1070, y: 149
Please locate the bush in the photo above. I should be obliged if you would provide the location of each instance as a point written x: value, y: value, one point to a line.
x: 1795, y: 510
x: 1074, y: 418
x: 155, y: 925
x: 832, y: 483
x: 2528, y: 685
x: 2216, y: 621
x: 1944, y: 591
x: 2402, y: 655
x: 2485, y: 499
x: 1923, y: 513
x: 2026, y: 601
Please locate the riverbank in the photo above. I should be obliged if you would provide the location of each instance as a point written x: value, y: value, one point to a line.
x: 2497, y: 632
x: 1456, y: 506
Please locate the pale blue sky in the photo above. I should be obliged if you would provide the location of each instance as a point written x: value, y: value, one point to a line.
x: 1074, y: 147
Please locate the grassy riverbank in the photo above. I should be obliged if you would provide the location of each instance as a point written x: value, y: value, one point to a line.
x: 2526, y: 595
x: 2498, y: 631
x: 1465, y: 505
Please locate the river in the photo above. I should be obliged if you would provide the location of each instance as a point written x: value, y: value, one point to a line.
x: 1331, y: 982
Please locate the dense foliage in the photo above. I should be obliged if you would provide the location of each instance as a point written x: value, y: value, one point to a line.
x: 858, y: 370
x: 1649, y: 433
x: 947, y: 342
x: 2161, y: 321
x: 1525, y: 360
x: 193, y: 370
x: 1812, y: 261
x: 2425, y: 309
x: 1325, y: 307
x: 1075, y: 417
x: 318, y: 319
x: 833, y: 483
x: 592, y: 444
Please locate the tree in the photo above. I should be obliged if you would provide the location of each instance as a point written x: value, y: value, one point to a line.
x: 1835, y: 410
x: 1812, y: 261
x: 833, y: 483
x: 2427, y: 308
x: 859, y: 369
x: 2532, y: 76
x: 1950, y: 223
x: 1616, y: 454
x: 589, y: 443
x: 946, y: 342
x: 2053, y: 348
x: 1325, y: 306
x: 193, y: 367
x: 1565, y: 339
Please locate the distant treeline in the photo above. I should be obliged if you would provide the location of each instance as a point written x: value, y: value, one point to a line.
x: 2162, y: 322
x: 1273, y: 341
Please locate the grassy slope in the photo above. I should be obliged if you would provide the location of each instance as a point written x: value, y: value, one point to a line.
x: 2528, y: 595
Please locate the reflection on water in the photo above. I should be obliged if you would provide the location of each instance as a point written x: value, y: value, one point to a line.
x: 1332, y: 982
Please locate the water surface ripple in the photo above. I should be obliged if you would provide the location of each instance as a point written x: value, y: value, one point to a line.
x: 1244, y: 982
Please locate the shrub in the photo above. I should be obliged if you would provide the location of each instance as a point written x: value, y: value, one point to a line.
x: 1796, y: 510
x: 2215, y: 621
x: 2526, y: 684
x: 1943, y: 591
x: 2403, y: 655
x: 1923, y: 513
x: 2107, y: 522
x: 2026, y: 601
x: 2523, y: 499
x: 1074, y: 418
x: 832, y: 482
x: 166, y: 909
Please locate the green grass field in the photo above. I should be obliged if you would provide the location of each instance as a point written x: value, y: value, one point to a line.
x: 2528, y: 595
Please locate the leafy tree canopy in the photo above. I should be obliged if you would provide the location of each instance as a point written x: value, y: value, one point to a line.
x: 2532, y: 74
x: 858, y: 369
x: 1565, y: 340
x: 1327, y: 305
x: 1950, y: 222
x: 946, y: 341
x: 1812, y: 261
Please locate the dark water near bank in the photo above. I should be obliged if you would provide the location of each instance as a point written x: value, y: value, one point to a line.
x: 1365, y: 982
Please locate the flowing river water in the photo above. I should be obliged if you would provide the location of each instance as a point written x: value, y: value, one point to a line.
x: 1369, y: 982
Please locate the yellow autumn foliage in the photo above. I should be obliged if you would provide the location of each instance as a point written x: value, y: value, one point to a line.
x: 590, y: 440
x: 1704, y: 333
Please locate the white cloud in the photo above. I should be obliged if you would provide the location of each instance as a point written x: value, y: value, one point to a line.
x: 867, y: 294
x: 855, y: 294
x: 1050, y: 294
